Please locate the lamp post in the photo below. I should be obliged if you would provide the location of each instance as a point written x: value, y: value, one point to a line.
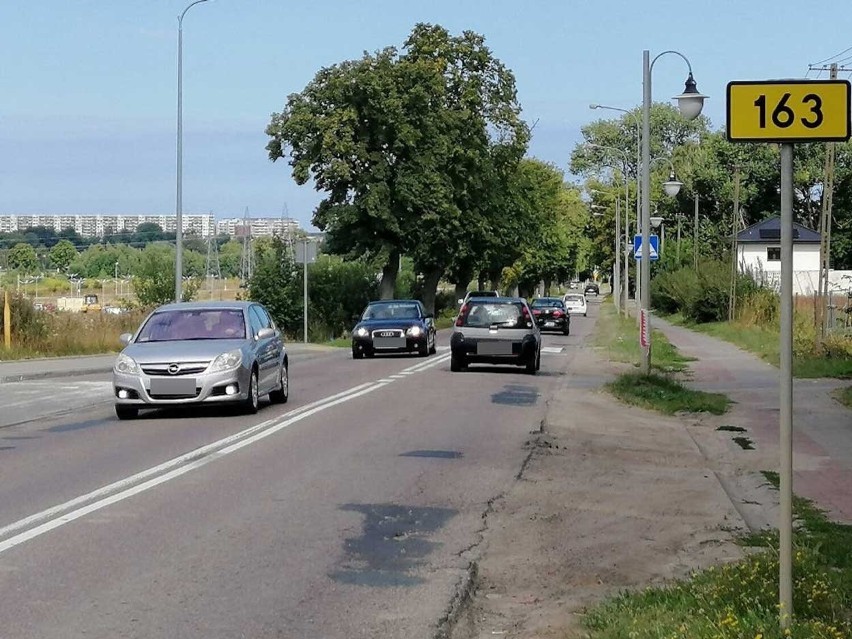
x: 619, y: 296
x: 179, y: 202
x: 690, y: 103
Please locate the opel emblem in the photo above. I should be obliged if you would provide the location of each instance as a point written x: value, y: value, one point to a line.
x: 173, y: 369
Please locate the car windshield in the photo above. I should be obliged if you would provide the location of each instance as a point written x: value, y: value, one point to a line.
x: 391, y: 311
x: 546, y: 302
x: 488, y: 314
x: 195, y: 324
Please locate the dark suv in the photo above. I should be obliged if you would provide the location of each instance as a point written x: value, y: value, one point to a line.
x: 592, y: 287
x: 495, y: 330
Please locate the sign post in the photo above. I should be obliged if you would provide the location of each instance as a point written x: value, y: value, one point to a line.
x: 306, y: 252
x: 7, y: 321
x: 784, y: 112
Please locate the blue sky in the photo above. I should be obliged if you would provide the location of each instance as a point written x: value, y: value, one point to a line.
x: 88, y: 87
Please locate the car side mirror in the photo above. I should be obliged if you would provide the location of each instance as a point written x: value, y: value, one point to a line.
x: 265, y: 333
x: 125, y: 338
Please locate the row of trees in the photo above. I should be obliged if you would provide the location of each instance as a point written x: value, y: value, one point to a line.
x: 46, y: 237
x: 105, y: 260
x: 709, y: 167
x: 420, y: 152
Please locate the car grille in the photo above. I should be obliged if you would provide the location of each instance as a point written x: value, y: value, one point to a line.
x: 187, y: 368
x: 186, y: 396
x: 388, y: 333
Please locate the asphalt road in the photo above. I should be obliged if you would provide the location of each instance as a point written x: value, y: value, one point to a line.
x: 351, y: 511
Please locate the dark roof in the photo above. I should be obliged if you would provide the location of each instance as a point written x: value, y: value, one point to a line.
x: 769, y: 232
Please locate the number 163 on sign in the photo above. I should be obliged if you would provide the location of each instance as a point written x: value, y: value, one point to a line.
x: 788, y: 111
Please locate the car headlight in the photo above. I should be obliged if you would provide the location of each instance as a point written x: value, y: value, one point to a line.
x: 227, y: 361
x: 126, y: 364
x: 414, y: 331
x: 362, y: 332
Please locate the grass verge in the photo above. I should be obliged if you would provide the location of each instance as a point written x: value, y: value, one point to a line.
x: 657, y: 391
x: 666, y: 395
x: 844, y: 396
x: 739, y: 600
x: 620, y: 336
x: 765, y: 342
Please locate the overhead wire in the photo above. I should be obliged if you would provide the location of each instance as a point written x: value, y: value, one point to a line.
x: 829, y: 59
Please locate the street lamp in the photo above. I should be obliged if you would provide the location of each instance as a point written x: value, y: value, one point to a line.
x: 179, y: 203
x: 635, y: 116
x: 618, y: 285
x: 690, y: 103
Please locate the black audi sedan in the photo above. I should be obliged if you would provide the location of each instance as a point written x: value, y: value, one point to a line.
x: 394, y: 326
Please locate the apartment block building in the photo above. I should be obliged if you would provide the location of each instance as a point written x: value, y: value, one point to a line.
x: 100, y: 225
x: 260, y: 226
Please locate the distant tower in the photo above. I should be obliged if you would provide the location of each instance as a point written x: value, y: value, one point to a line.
x: 244, y: 231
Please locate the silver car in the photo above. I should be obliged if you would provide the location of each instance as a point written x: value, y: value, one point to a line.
x: 495, y: 330
x: 200, y: 353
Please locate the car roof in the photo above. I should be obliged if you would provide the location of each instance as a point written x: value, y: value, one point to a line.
x: 393, y: 302
x: 210, y: 305
x: 547, y: 299
x: 497, y: 300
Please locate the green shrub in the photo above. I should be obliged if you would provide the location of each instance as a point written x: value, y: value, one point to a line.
x: 28, y: 324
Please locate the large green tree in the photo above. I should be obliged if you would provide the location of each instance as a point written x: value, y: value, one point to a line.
x: 406, y: 147
x: 22, y: 257
x: 62, y: 254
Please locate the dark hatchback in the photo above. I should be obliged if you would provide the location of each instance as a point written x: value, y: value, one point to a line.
x: 393, y: 326
x: 551, y: 315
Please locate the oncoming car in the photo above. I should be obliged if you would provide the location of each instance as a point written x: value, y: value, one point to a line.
x: 495, y: 330
x: 394, y: 326
x: 193, y: 353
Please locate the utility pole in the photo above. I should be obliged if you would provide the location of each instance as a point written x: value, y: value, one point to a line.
x: 735, y: 216
x: 821, y: 312
x: 695, y: 236
x: 246, y: 259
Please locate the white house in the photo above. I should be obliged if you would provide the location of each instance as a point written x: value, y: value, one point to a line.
x: 759, y: 253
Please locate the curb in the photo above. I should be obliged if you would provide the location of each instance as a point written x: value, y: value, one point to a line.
x: 23, y: 377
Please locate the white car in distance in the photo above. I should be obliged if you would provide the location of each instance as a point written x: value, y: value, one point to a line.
x: 575, y: 303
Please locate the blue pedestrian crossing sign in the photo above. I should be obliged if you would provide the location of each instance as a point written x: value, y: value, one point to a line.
x: 655, y: 247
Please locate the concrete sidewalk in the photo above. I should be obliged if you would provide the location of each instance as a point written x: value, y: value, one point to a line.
x: 57, y: 367
x: 822, y: 427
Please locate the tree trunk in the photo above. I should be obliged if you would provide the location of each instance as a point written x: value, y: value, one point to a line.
x: 481, y: 282
x: 547, y: 285
x: 389, y: 272
x: 495, y: 280
x: 461, y: 291
x: 430, y: 288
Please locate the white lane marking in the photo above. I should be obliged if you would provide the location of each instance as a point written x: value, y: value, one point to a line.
x: 406, y: 373
x: 135, y: 490
x: 423, y: 365
x: 384, y: 380
x: 172, y: 463
x: 443, y: 348
x: 397, y: 376
x: 552, y: 349
x: 436, y: 362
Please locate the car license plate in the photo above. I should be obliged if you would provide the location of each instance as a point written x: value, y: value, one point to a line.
x: 494, y: 348
x: 177, y: 387
x: 549, y: 324
x: 389, y: 342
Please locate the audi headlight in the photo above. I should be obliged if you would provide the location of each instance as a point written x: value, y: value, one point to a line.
x: 362, y: 332
x: 227, y: 361
x: 415, y: 331
x: 126, y: 364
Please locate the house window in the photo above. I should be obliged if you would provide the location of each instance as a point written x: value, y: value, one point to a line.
x: 773, y: 254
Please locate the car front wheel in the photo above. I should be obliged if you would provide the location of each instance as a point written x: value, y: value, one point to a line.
x: 252, y: 402
x: 282, y: 394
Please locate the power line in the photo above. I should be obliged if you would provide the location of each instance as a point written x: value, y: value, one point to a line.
x: 837, y: 55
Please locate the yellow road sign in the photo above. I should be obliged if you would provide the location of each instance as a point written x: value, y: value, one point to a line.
x: 788, y: 111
